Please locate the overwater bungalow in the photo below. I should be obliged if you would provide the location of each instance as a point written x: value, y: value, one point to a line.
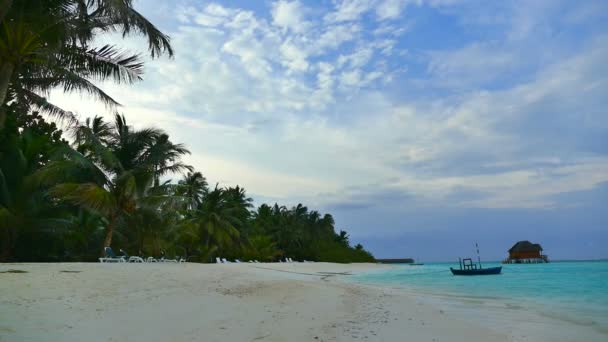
x: 526, y: 252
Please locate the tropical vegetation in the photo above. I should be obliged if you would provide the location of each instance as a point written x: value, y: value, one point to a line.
x: 68, y: 187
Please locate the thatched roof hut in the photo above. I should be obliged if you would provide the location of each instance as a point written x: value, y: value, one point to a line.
x: 526, y: 250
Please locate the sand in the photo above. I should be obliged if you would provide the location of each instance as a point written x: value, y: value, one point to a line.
x: 235, y: 302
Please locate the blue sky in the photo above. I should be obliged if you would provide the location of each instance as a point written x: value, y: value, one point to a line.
x: 421, y: 125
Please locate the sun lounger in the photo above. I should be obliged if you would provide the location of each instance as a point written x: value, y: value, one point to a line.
x: 257, y: 262
x: 131, y: 258
x: 110, y: 256
x: 163, y: 259
x: 237, y: 261
x: 226, y: 261
x: 218, y: 260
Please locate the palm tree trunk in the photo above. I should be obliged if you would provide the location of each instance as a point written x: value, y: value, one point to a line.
x: 6, y: 72
x: 5, y: 5
x: 110, y: 229
x: 7, y: 244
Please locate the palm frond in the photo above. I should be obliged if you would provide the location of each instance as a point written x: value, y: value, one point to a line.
x: 41, y: 104
x: 69, y: 165
x: 119, y: 15
x: 174, y: 168
x: 98, y: 147
x: 106, y: 62
x: 73, y: 82
x: 88, y: 195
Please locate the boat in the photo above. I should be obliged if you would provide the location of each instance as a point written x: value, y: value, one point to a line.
x: 469, y: 268
x: 472, y: 269
x: 416, y: 264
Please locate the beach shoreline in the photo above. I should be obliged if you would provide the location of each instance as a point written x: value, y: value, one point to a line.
x: 238, y: 302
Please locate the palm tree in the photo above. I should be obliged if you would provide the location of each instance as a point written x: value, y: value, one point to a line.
x: 217, y: 220
x: 45, y: 44
x: 119, y: 177
x: 342, y: 238
x: 193, y: 188
x: 23, y: 203
x: 165, y: 156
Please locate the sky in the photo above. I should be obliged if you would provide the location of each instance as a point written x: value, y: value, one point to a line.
x: 422, y: 126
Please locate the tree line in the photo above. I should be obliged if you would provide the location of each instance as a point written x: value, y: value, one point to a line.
x: 66, y: 192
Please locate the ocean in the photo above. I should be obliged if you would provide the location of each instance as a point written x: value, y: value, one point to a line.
x: 573, y: 291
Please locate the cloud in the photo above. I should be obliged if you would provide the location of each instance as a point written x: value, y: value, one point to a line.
x: 289, y: 16
x: 389, y: 9
x: 349, y: 10
x: 296, y: 108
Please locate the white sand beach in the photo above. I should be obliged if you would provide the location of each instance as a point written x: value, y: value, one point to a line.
x: 234, y: 302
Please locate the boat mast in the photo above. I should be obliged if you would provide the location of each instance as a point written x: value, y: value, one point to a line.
x: 478, y: 258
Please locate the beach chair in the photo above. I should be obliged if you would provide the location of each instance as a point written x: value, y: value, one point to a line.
x: 131, y: 258
x: 226, y: 261
x: 110, y: 256
x: 237, y: 261
x: 163, y: 259
x: 218, y: 260
x: 255, y: 261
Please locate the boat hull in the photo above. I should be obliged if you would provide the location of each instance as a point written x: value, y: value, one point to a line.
x: 480, y: 271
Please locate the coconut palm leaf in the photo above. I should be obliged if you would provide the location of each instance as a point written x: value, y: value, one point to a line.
x: 87, y: 195
x: 119, y: 15
x: 106, y: 62
x: 41, y: 104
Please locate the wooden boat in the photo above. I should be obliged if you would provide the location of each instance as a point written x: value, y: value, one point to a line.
x: 468, y: 268
x: 416, y: 264
x: 477, y: 271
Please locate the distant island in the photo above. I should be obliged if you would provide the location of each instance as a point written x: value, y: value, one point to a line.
x: 396, y: 261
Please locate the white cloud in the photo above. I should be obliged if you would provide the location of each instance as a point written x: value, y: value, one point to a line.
x: 289, y: 15
x: 389, y: 9
x: 357, y: 59
x: 218, y: 10
x: 295, y: 58
x: 208, y: 20
x: 334, y: 36
x: 473, y: 64
x: 349, y: 10
x: 257, y: 103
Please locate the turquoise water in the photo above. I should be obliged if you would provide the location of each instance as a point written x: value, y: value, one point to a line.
x: 575, y: 291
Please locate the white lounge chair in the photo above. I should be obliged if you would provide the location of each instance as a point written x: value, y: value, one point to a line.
x: 110, y: 256
x: 218, y: 260
x: 131, y: 258
x: 255, y: 261
x: 226, y: 261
